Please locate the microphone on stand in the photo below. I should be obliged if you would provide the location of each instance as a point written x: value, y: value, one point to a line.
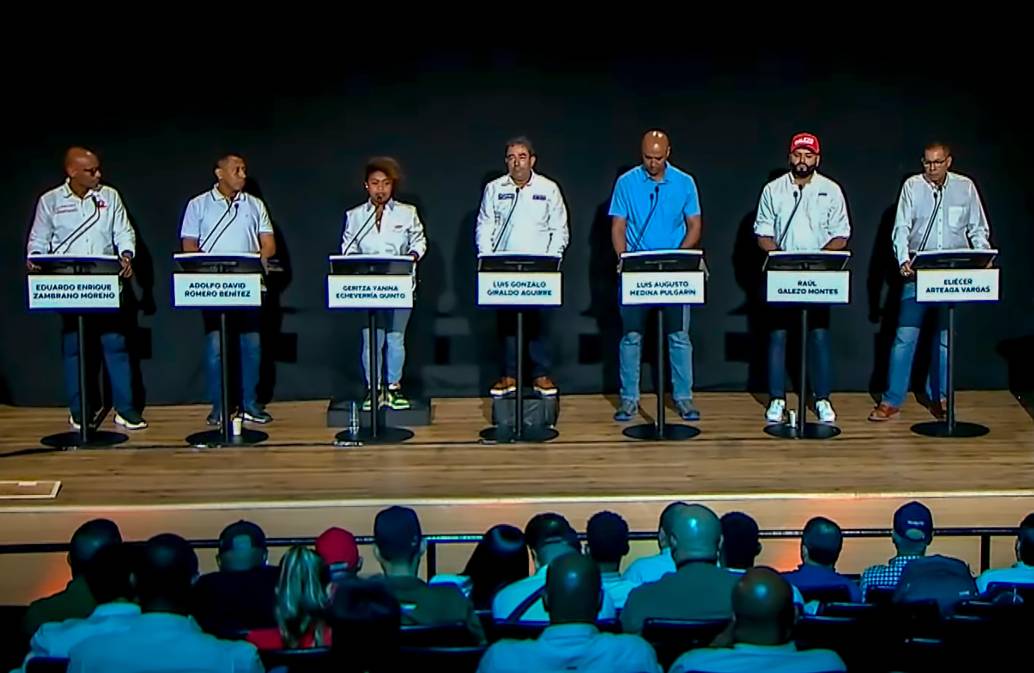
x: 79, y: 231
x: 506, y: 224
x: 798, y: 196
x: 655, y: 198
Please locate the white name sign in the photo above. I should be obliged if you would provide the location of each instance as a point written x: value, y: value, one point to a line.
x: 951, y: 285
x: 500, y: 288
x: 808, y: 287
x: 655, y: 287
x: 378, y: 291
x: 73, y: 292
x: 204, y: 290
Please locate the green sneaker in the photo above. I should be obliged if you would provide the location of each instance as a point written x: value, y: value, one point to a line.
x: 396, y: 400
x: 366, y: 401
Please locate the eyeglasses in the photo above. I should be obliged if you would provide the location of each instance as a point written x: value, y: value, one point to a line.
x: 935, y: 162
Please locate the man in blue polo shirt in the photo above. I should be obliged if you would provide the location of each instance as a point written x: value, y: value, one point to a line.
x: 655, y: 207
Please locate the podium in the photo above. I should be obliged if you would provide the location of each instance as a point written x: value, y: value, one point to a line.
x: 949, y: 277
x: 806, y: 278
x: 660, y: 278
x: 77, y: 284
x: 222, y: 283
x: 371, y: 283
x: 517, y: 281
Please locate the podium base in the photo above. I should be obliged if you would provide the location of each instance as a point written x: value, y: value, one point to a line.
x: 213, y: 439
x: 385, y: 435
x: 811, y: 431
x: 673, y: 432
x: 97, y: 439
x: 940, y: 429
x: 504, y: 434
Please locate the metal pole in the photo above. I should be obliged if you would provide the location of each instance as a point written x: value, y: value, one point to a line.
x: 84, y: 420
x: 224, y: 369
x: 802, y: 392
x: 375, y: 375
x: 518, y: 431
x: 951, y: 369
x: 660, y: 372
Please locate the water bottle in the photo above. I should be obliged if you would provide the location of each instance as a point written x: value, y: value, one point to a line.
x: 353, y: 420
x: 793, y: 417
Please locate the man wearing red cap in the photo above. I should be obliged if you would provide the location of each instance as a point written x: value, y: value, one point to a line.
x: 338, y: 549
x: 802, y: 211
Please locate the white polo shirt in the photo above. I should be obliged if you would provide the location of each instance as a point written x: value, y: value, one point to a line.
x: 650, y: 568
x: 820, y: 216
x: 571, y: 647
x: 750, y: 658
x: 512, y: 595
x: 1020, y: 573
x: 959, y: 221
x: 222, y: 225
x: 400, y: 232
x: 536, y: 212
x: 99, y: 216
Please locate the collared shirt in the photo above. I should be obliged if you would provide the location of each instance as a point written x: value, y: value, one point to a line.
x: 1019, y: 573
x: 572, y: 647
x: 802, y: 219
x: 536, y: 213
x: 650, y: 568
x: 73, y: 602
x: 885, y: 576
x: 697, y: 590
x: 162, y: 641
x: 655, y: 212
x: 428, y: 605
x: 400, y: 232
x: 959, y: 222
x: 56, y: 639
x: 808, y: 576
x: 617, y: 587
x: 768, y: 658
x: 512, y: 595
x: 61, y: 216
x: 223, y: 225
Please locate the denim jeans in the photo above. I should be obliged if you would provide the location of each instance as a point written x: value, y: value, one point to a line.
x: 781, y: 319
x: 536, y: 334
x: 394, y: 321
x: 680, y: 350
x: 116, y: 358
x: 903, y: 351
x: 245, y: 326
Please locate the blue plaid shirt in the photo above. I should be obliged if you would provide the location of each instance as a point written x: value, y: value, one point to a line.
x: 885, y: 576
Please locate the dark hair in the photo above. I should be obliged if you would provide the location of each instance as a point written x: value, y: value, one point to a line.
x: 823, y: 540
x: 365, y: 619
x: 500, y: 558
x: 89, y: 539
x: 938, y: 144
x: 524, y: 141
x: 607, y: 535
x: 109, y: 572
x: 1026, y: 538
x: 549, y: 528
x: 740, y: 544
x: 166, y: 571
x: 387, y: 165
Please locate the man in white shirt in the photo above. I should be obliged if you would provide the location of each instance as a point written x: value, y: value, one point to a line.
x: 164, y: 638
x: 1022, y: 572
x: 572, y: 642
x: 761, y: 636
x: 606, y: 542
x: 226, y: 219
x: 937, y: 210
x: 384, y: 226
x: 523, y: 212
x: 84, y: 217
x: 802, y: 211
x: 652, y: 568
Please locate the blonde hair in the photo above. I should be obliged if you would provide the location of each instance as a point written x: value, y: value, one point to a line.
x: 301, y: 597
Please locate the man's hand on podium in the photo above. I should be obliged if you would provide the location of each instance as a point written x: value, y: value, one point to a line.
x: 31, y: 266
x: 906, y: 269
x: 127, y: 266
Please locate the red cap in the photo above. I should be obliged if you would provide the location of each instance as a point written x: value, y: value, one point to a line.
x: 807, y: 141
x: 337, y: 545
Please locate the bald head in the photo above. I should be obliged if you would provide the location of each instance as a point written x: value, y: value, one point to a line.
x: 83, y: 169
x: 573, y: 589
x: 655, y: 149
x: 762, y: 605
x: 696, y: 534
x: 89, y: 539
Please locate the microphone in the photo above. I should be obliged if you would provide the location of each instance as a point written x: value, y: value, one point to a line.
x: 798, y: 196
x: 938, y: 198
x: 202, y: 244
x: 655, y: 198
x: 506, y: 224
x: 226, y: 227
x: 359, y: 235
x: 83, y: 227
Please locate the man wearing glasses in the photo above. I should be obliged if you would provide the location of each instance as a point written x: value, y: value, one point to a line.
x: 937, y: 210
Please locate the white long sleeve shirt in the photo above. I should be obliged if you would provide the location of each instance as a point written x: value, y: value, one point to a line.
x: 959, y: 222
x: 536, y: 213
x: 99, y: 216
x: 223, y: 225
x: 821, y: 214
x: 400, y: 232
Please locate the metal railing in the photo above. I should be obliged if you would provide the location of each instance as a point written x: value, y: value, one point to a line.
x: 434, y: 541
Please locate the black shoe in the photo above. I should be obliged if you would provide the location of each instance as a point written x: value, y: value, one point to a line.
x: 215, y: 418
x: 74, y: 421
x: 257, y: 414
x: 130, y: 420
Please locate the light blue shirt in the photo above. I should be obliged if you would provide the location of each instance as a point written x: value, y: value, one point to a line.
x: 512, y: 595
x: 56, y: 639
x: 650, y: 568
x: 571, y: 647
x: 658, y: 208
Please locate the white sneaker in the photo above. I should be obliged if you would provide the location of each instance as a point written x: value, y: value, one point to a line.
x: 776, y: 410
x: 824, y: 410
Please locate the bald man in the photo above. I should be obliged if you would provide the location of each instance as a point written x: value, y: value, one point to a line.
x: 572, y: 642
x: 698, y: 589
x: 764, y: 617
x: 84, y: 217
x: 655, y: 206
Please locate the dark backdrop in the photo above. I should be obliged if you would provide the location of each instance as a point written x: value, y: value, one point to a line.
x: 306, y: 127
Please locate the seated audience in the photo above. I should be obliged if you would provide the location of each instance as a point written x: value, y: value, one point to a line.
x: 301, y: 601
x: 365, y: 620
x: 607, y: 543
x: 741, y: 542
x: 652, y: 568
x: 912, y: 534
x: 821, y: 544
x: 1021, y: 572
x: 572, y: 642
x: 340, y: 553
x: 500, y: 558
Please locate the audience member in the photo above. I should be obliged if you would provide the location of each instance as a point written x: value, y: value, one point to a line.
x: 301, y: 601
x: 821, y: 544
x: 912, y: 534
x: 607, y: 543
x: 741, y: 543
x: 1021, y: 572
x: 499, y: 559
x: 652, y: 568
x: 365, y: 620
x: 340, y: 553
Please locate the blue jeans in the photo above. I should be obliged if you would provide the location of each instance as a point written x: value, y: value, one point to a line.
x: 536, y: 335
x: 244, y: 324
x: 394, y: 321
x: 904, y: 349
x: 819, y: 357
x: 680, y: 350
x: 116, y: 359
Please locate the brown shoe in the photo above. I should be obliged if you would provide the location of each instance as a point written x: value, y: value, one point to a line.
x: 884, y: 412
x: 939, y: 409
x: 504, y: 386
x: 544, y: 386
